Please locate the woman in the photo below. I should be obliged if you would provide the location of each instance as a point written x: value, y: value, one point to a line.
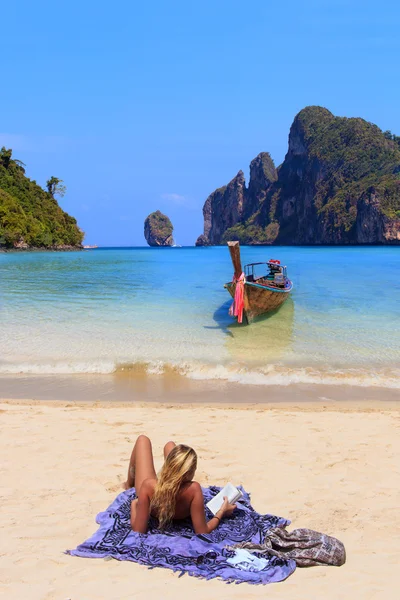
x: 174, y: 495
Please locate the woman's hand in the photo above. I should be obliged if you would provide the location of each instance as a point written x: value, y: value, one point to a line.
x: 198, y: 514
x: 226, y: 509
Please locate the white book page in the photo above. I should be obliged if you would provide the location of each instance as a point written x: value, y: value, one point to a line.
x: 232, y: 493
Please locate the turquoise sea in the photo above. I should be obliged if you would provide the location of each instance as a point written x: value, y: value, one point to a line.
x: 157, y: 309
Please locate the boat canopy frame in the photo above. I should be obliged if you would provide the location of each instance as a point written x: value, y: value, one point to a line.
x: 249, y: 268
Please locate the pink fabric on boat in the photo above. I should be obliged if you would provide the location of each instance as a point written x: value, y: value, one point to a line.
x: 236, y: 309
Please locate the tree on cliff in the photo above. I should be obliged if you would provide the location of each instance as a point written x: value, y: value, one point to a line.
x: 5, y: 156
x: 5, y: 159
x: 56, y: 186
x: 391, y: 136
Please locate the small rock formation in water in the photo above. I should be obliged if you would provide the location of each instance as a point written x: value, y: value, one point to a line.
x: 339, y: 184
x: 158, y: 230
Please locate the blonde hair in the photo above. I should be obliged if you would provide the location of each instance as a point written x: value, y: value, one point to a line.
x: 179, y: 467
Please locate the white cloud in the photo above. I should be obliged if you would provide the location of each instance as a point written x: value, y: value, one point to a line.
x: 179, y: 200
x: 175, y: 198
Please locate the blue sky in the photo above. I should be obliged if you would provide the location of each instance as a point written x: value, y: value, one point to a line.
x: 143, y: 106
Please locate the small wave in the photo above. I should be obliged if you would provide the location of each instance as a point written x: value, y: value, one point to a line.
x: 261, y: 376
x: 284, y: 376
x: 59, y: 368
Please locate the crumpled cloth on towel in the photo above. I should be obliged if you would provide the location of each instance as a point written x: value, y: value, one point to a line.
x: 244, y: 560
x: 306, y: 547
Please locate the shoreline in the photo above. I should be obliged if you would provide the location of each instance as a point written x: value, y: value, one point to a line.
x: 286, y: 245
x: 278, y: 407
x: 173, y: 389
x: 35, y: 249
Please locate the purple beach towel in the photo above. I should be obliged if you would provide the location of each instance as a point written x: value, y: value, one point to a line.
x: 180, y: 549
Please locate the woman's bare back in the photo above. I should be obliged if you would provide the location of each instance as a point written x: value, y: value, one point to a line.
x: 189, y: 500
x: 183, y: 500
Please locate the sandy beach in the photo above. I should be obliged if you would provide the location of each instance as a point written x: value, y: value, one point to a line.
x: 331, y: 467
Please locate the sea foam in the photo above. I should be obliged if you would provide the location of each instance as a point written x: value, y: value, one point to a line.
x: 270, y: 375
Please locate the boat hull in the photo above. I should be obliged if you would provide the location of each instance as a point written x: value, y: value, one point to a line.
x: 259, y: 299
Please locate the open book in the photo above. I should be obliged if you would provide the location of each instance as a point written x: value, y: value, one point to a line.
x: 232, y: 493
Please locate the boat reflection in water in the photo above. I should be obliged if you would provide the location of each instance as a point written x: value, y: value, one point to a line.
x: 268, y: 341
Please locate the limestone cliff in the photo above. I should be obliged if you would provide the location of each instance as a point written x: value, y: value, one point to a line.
x: 262, y: 175
x: 223, y: 209
x: 158, y: 230
x: 339, y: 184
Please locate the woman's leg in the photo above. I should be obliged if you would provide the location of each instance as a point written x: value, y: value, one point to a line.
x: 141, y: 464
x: 167, y: 448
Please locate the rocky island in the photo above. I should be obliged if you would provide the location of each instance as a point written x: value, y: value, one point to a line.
x: 339, y: 184
x: 30, y: 217
x: 158, y: 230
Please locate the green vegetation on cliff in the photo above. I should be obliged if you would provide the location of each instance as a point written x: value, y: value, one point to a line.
x: 29, y: 216
x: 249, y: 233
x: 334, y: 170
x: 356, y: 157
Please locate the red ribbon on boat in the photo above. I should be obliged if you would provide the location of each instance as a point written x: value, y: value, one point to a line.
x: 236, y: 309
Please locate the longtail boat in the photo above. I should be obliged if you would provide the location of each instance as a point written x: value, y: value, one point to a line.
x: 258, y: 289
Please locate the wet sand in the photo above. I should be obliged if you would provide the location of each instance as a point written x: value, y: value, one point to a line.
x: 139, y: 387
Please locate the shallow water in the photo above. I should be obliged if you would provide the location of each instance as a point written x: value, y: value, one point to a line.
x: 152, y: 310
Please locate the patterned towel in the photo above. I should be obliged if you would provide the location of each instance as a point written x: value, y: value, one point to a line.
x: 307, y: 547
x: 179, y: 549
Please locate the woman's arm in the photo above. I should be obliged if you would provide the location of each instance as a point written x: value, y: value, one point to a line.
x: 140, y: 508
x: 198, y: 516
